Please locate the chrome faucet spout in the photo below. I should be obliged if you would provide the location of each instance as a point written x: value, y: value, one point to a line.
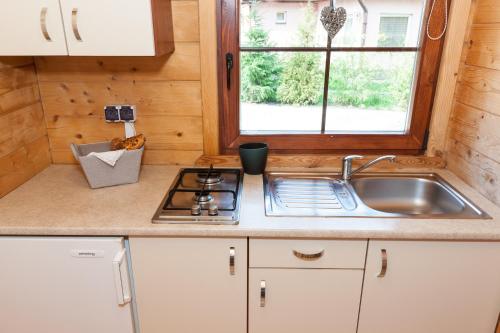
x: 347, y: 171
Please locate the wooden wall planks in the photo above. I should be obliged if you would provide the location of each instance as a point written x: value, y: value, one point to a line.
x: 24, y: 149
x: 473, y: 150
x: 166, y: 90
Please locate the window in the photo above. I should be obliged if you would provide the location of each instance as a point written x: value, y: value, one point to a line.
x: 281, y: 18
x: 392, y: 30
x: 299, y: 90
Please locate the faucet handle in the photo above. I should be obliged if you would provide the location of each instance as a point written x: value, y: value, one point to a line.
x: 352, y: 157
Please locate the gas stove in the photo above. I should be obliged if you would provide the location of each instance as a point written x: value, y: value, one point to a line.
x: 204, y: 196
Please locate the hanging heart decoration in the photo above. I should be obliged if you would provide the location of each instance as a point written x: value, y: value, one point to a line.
x: 333, y: 19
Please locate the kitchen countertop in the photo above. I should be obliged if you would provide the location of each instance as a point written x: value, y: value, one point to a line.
x: 58, y: 201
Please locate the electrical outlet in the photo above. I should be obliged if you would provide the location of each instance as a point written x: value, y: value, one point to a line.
x: 127, y: 113
x: 111, y: 113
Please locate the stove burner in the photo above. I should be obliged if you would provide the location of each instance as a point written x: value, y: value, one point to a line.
x: 202, y: 197
x: 214, y: 178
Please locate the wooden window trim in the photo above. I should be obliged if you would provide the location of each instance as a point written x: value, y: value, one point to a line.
x: 413, y: 142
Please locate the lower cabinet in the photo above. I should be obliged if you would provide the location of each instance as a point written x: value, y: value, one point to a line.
x: 431, y: 287
x: 187, y: 285
x: 304, y: 300
x: 298, y: 286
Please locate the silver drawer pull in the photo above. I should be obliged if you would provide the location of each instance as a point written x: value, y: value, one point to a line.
x: 232, y: 253
x: 262, y: 293
x: 43, y: 24
x: 74, y: 24
x: 383, y: 269
x: 308, y: 256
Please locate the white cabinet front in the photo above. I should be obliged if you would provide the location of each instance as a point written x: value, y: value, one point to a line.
x: 31, y: 27
x: 431, y: 287
x: 304, y: 300
x: 64, y: 285
x: 109, y: 27
x: 188, y: 285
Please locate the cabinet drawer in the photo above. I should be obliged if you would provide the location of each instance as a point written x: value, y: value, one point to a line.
x: 293, y: 253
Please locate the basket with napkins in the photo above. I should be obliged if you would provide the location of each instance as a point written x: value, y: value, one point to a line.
x: 111, y: 163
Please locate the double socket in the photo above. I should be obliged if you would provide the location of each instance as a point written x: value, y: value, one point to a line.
x: 120, y: 113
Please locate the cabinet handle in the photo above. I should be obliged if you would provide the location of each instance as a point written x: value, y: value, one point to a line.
x: 308, y: 256
x: 43, y: 24
x: 121, y: 280
x: 74, y: 23
x: 383, y: 269
x: 232, y: 253
x: 262, y: 293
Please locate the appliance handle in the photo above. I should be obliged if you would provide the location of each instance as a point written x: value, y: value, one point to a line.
x: 122, y: 284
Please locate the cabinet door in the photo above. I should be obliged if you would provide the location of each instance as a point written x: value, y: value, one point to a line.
x: 304, y: 300
x: 31, y: 27
x: 187, y: 285
x: 431, y: 287
x: 64, y: 285
x: 109, y: 27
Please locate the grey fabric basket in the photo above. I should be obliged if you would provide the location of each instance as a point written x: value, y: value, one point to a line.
x: 100, y: 174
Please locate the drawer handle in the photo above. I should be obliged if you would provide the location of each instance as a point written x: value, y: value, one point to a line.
x: 43, y: 24
x: 232, y: 253
x: 383, y: 269
x: 74, y: 24
x: 262, y: 293
x: 308, y: 256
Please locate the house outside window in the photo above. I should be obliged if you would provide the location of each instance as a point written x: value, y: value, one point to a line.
x: 281, y: 18
x: 297, y: 89
x: 393, y: 30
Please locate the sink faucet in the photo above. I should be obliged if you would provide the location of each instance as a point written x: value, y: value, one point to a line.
x: 347, y: 171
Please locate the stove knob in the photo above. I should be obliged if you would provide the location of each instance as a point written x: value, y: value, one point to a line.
x: 213, y: 210
x: 196, y: 210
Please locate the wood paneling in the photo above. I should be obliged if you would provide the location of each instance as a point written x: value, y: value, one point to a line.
x: 461, y: 11
x: 473, y: 150
x: 166, y: 91
x: 484, y: 48
x: 209, y: 83
x: 24, y: 149
x: 323, y: 161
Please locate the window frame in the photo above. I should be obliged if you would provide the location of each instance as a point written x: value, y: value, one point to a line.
x: 413, y: 142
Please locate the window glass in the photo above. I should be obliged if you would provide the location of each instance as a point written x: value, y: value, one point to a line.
x: 370, y: 92
x: 281, y: 92
x: 293, y: 79
x: 302, y: 28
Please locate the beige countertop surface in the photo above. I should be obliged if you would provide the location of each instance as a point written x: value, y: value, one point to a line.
x: 58, y: 201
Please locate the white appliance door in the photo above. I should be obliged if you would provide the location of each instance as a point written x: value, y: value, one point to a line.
x: 62, y: 285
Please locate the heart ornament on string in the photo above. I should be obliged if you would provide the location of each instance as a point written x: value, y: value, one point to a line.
x: 333, y: 19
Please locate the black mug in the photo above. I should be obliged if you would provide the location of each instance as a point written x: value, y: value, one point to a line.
x: 254, y: 157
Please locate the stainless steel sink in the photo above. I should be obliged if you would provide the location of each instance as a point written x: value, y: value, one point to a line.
x: 366, y: 195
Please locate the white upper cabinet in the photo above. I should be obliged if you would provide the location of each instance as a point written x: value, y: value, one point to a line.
x: 110, y: 27
x: 86, y: 27
x: 31, y: 27
x: 431, y: 287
